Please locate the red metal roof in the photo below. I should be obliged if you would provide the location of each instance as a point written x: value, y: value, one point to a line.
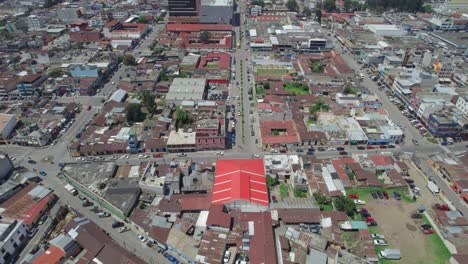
x: 198, y: 27
x: 51, y: 256
x: 381, y: 160
x: 241, y: 179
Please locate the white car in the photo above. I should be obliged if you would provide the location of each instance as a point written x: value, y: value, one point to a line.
x: 124, y: 157
x: 12, y: 158
x: 380, y: 242
x: 142, y: 238
x: 359, y: 202
x: 379, y: 236
x: 227, y: 256
x: 114, y: 158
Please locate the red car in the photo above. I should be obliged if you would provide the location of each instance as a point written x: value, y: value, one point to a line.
x: 385, y: 194
x: 370, y: 147
x: 353, y: 195
x: 370, y: 219
x: 428, y: 231
x: 383, y: 147
x: 362, y: 210
x: 158, y: 155
x: 442, y: 207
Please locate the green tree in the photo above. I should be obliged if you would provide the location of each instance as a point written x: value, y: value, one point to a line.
x: 345, y: 204
x: 259, y: 3
x: 318, y: 107
x: 329, y: 5
x: 349, y: 90
x: 127, y: 59
x: 318, y: 15
x: 134, y: 113
x: 271, y: 181
x: 148, y: 101
x: 307, y: 12
x: 157, y: 50
x: 142, y: 19
x: 183, y: 118
x: 205, y: 36
x: 292, y: 5
x: 317, y: 67
x: 55, y: 73
x: 428, y: 9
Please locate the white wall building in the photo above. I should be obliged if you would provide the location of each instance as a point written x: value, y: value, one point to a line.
x: 13, y: 233
x: 386, y: 30
x: 462, y: 104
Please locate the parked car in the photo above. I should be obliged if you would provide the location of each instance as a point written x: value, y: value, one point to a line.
x: 181, y: 155
x: 340, y: 148
x: 353, y: 195
x: 370, y: 147
x: 361, y: 148
x: 321, y: 149
x: 372, y: 223
x: 397, y: 196
x: 380, y: 194
x: 117, y: 224
x: 359, y: 202
x: 379, y: 236
x: 227, y: 256
x: 428, y: 231
x: 362, y: 210
x: 380, y: 242
x: 123, y: 229
x: 425, y: 226
x: 382, y: 147
x: 141, y: 238
x: 416, y: 216
x: 365, y: 214
x: 81, y: 197
x: 374, y: 195
x: 442, y: 207
x: 32, y: 162
x: 391, y: 146
x: 43, y: 173
x: 385, y: 194
x: 343, y: 153
x: 274, y: 199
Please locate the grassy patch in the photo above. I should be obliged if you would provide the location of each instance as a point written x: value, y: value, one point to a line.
x: 326, y: 207
x: 438, y: 251
x: 259, y: 90
x: 297, y: 89
x: 365, y: 193
x: 300, y: 193
x: 283, y: 188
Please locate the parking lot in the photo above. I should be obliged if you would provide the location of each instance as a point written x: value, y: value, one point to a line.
x: 400, y: 230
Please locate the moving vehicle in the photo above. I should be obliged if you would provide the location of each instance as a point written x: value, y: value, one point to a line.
x: 43, y: 173
x: 390, y: 253
x: 71, y: 189
x: 32, y: 162
x: 181, y: 155
x: 432, y: 186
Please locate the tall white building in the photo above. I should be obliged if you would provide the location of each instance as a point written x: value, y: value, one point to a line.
x: 13, y: 234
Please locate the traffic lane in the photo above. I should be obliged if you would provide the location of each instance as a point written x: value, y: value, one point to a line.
x: 393, y: 111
